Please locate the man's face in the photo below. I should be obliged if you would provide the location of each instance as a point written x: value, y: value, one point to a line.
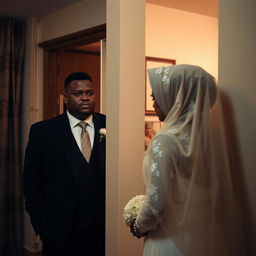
x: 80, y: 99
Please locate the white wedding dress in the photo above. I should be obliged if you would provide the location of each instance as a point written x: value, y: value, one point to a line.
x: 154, y: 217
x: 191, y: 207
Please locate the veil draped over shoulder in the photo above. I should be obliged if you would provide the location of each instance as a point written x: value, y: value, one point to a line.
x: 187, y: 172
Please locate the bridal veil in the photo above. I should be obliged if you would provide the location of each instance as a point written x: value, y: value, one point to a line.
x: 199, y: 211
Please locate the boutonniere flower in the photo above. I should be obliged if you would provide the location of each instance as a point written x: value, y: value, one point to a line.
x: 102, y: 133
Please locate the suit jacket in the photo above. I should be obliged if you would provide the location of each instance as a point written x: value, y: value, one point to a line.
x: 63, y: 192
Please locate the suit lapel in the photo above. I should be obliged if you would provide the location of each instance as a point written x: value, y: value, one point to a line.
x: 97, y: 126
x: 96, y: 136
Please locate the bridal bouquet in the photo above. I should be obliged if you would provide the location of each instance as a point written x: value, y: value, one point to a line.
x: 131, y: 209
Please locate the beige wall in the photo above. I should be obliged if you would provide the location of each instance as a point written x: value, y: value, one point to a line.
x: 237, y: 57
x: 77, y: 17
x: 187, y: 37
x: 125, y: 114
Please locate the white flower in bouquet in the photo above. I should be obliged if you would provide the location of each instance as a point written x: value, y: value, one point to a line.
x: 131, y: 209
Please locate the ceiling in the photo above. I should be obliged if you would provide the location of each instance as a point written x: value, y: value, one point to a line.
x: 32, y: 8
x: 204, y: 7
x: 38, y: 8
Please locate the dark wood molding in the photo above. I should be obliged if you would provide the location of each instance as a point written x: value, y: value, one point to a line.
x: 29, y: 253
x: 156, y: 59
x: 52, y: 64
x: 51, y: 86
x: 83, y: 52
x: 86, y: 36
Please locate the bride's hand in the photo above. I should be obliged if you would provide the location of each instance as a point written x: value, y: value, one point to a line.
x: 134, y: 230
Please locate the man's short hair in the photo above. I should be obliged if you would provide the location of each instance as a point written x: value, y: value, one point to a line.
x: 76, y: 76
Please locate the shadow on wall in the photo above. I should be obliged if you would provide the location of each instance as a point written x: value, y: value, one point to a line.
x: 237, y: 167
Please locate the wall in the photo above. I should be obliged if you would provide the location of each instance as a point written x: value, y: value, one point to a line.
x: 77, y: 17
x: 237, y: 79
x: 125, y: 124
x: 187, y: 37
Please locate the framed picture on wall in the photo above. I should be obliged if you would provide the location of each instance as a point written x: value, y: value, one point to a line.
x: 153, y: 62
x: 152, y: 127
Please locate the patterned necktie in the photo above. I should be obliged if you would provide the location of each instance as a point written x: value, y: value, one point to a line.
x: 85, y: 141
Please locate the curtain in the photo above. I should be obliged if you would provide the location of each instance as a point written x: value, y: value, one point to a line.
x: 12, y: 51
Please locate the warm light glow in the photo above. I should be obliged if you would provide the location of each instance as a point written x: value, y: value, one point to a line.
x: 187, y: 37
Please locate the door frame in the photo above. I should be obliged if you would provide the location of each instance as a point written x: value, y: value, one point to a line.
x: 51, y: 63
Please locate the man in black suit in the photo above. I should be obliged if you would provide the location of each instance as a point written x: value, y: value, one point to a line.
x: 65, y: 192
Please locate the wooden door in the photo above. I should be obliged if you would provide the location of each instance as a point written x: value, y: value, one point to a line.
x: 62, y: 57
x: 79, y: 62
x: 51, y: 88
x: 59, y: 64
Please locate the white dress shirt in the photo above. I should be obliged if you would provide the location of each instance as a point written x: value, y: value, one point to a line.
x: 76, y: 130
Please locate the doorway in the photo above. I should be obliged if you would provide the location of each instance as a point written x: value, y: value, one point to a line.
x: 78, y: 52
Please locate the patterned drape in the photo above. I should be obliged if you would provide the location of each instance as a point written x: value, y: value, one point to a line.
x: 12, y: 51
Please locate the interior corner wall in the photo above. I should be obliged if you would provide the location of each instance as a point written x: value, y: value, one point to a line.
x: 237, y: 57
x: 187, y: 37
x: 82, y: 15
x: 125, y: 77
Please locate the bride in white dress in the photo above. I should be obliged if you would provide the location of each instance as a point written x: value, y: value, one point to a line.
x: 190, y: 207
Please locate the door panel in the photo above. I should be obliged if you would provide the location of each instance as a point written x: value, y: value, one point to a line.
x: 58, y: 65
x: 80, y: 62
x: 51, y: 90
x: 103, y: 76
x: 59, y: 61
